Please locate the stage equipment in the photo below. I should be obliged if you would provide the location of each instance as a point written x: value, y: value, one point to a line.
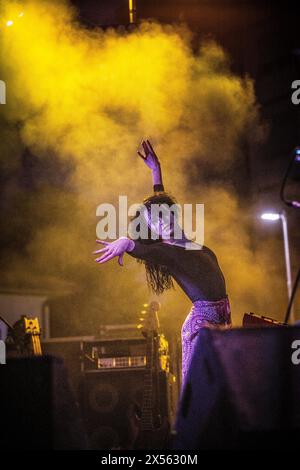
x: 38, y: 407
x: 242, y: 391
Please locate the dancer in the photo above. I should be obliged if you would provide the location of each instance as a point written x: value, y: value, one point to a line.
x: 167, y: 258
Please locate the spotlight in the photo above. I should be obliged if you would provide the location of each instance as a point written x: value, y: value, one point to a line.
x: 9, y: 23
x: 270, y: 216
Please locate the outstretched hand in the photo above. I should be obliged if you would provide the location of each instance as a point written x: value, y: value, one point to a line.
x: 149, y: 157
x: 112, y: 249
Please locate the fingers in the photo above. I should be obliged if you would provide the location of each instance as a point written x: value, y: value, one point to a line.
x: 100, y: 251
x: 105, y: 257
x: 150, y: 146
x: 108, y: 255
x: 145, y: 147
x: 102, y: 242
x: 148, y: 149
x: 141, y: 155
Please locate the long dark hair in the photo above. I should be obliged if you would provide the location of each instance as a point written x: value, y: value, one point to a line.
x: 158, y: 276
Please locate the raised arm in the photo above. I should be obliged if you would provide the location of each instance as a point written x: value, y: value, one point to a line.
x: 152, y: 161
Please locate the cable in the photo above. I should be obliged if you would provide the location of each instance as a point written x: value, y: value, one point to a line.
x: 289, y: 202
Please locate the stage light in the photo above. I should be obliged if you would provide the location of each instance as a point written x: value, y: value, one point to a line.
x: 11, y: 22
x: 270, y: 216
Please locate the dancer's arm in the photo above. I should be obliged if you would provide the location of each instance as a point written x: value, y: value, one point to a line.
x: 152, y: 161
x: 113, y: 249
x: 155, y: 252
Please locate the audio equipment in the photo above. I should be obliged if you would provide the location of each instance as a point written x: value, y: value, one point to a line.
x: 123, y: 382
x: 38, y: 408
x: 252, y: 320
x: 70, y: 350
x: 112, y: 402
x: 114, y: 353
x: 242, y: 391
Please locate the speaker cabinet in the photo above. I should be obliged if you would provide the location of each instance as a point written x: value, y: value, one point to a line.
x: 242, y: 391
x: 38, y: 408
x: 110, y: 398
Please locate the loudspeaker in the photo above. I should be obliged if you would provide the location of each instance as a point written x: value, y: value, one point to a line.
x: 110, y: 399
x: 242, y: 391
x: 38, y: 408
x: 70, y: 351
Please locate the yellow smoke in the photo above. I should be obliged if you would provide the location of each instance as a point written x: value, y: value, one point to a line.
x: 83, y: 100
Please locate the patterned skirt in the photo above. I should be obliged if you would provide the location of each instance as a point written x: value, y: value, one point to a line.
x: 204, y: 314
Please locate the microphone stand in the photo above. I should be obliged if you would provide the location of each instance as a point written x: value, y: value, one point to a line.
x: 289, y: 309
x: 289, y: 202
x: 295, y: 204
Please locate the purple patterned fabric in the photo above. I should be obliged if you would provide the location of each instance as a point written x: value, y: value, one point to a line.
x: 203, y: 314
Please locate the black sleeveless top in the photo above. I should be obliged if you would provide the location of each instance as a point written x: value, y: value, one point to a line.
x: 196, y: 271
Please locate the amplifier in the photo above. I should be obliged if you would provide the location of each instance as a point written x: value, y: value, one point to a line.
x: 108, y: 398
x: 122, y: 354
x: 82, y: 354
x: 252, y: 320
x: 114, y: 354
